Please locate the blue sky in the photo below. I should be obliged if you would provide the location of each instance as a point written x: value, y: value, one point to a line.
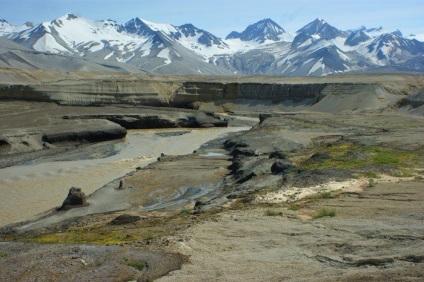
x: 222, y: 16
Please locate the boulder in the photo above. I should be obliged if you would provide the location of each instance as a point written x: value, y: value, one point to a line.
x: 281, y: 167
x: 75, y: 198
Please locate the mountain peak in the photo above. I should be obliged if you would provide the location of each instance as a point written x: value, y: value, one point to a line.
x: 189, y: 29
x: 357, y: 37
x: 69, y: 16
x: 398, y: 33
x: 261, y: 31
x: 139, y: 27
x: 321, y: 29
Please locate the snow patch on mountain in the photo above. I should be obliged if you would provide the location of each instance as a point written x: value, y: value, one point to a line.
x: 8, y: 29
x: 318, y: 65
x: 165, y: 28
x: 165, y: 55
x: 47, y: 43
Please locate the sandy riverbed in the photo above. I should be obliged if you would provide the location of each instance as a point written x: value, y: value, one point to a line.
x: 26, y: 191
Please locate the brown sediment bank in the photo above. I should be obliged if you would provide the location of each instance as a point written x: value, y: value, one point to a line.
x: 327, y: 94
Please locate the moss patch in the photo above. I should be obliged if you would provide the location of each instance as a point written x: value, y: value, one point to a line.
x: 349, y: 156
x: 104, y: 233
x: 99, y: 235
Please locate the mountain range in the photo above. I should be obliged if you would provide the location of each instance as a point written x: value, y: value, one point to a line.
x: 263, y: 48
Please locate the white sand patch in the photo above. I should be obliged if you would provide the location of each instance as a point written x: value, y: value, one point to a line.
x: 293, y: 194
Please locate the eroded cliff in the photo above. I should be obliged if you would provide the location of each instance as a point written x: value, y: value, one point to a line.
x: 328, y: 94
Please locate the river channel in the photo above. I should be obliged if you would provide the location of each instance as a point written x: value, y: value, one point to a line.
x: 28, y: 190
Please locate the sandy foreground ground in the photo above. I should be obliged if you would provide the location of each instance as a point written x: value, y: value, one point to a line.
x: 377, y: 235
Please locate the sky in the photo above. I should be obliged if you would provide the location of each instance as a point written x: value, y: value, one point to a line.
x: 220, y: 17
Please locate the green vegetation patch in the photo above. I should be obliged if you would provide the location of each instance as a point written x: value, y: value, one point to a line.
x: 273, y: 213
x: 294, y: 207
x: 325, y: 195
x: 137, y: 265
x: 349, y: 156
x: 323, y: 213
x: 104, y: 233
x: 3, y: 255
x: 96, y: 236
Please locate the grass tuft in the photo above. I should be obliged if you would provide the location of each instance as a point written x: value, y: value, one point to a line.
x: 293, y: 208
x: 325, y: 195
x: 323, y: 213
x: 137, y: 265
x: 273, y: 213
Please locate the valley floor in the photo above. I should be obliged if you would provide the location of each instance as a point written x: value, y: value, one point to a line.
x: 300, y: 196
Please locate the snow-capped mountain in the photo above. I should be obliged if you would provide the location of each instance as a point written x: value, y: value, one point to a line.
x: 317, y: 30
x: 263, y: 31
x: 264, y: 47
x: 391, y: 48
x: 8, y: 29
x: 320, y: 28
x: 139, y: 42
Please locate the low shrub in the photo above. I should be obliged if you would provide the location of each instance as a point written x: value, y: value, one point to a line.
x: 324, y: 212
x: 273, y: 213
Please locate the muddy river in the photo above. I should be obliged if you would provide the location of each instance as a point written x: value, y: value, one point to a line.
x: 28, y: 190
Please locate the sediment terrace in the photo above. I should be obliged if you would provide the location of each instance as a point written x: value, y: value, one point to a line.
x: 355, y: 92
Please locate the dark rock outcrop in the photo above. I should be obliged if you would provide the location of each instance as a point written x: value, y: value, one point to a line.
x: 413, y: 101
x: 243, y: 152
x: 125, y: 219
x: 320, y: 156
x: 277, y: 155
x: 281, y: 167
x: 92, y: 130
x: 315, y: 177
x: 173, y: 120
x: 76, y: 198
x: 5, y: 146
